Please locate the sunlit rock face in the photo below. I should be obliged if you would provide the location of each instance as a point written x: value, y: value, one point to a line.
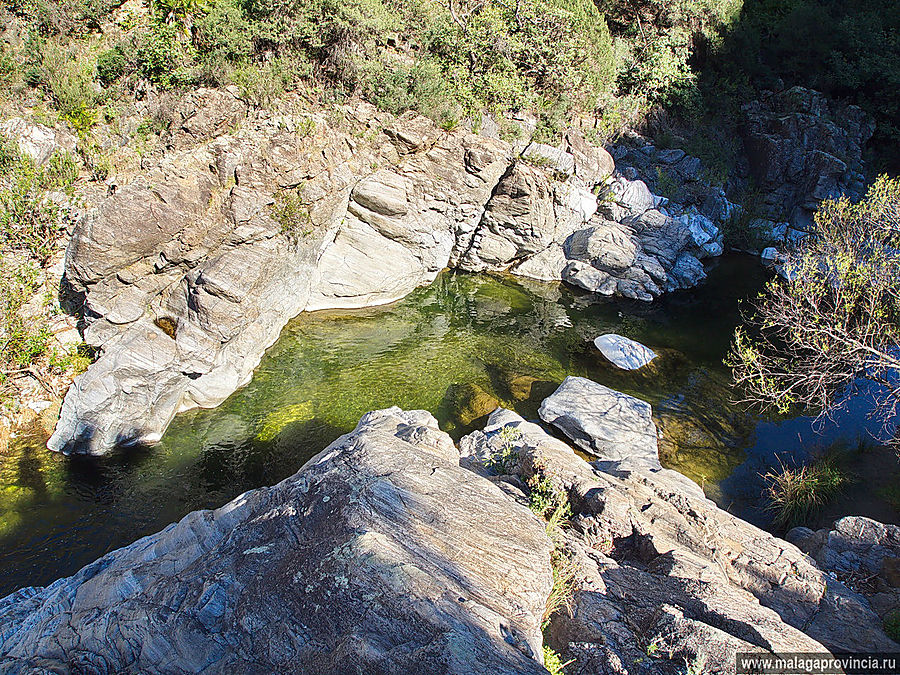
x: 360, y: 561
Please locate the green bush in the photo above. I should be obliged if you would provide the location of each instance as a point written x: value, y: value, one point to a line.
x: 165, y: 57
x: 28, y: 223
x: 111, y: 65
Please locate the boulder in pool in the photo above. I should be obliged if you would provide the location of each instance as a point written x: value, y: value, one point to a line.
x: 624, y: 352
x: 604, y: 422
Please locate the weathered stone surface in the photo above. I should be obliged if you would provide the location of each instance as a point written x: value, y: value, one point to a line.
x: 37, y: 141
x: 357, y: 563
x: 794, y: 139
x: 659, y: 564
x: 592, y: 164
x: 624, y: 352
x: 602, y: 421
x: 862, y: 553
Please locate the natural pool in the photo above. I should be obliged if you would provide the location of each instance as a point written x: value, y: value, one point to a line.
x: 454, y: 349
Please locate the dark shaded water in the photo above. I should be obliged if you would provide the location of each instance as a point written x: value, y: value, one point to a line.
x: 464, y: 341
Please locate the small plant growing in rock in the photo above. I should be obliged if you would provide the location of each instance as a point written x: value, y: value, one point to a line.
x: 553, y: 663
x: 291, y: 213
x: 565, y: 583
x: 504, y: 460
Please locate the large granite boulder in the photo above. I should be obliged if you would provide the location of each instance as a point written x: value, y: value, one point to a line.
x: 663, y: 576
x: 357, y: 563
x: 604, y: 422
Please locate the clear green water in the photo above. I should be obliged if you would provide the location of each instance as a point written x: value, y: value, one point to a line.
x: 496, y: 338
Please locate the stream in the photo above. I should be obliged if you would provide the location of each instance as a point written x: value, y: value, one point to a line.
x: 455, y: 348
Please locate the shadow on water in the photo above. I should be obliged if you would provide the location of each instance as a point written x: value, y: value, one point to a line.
x: 456, y: 348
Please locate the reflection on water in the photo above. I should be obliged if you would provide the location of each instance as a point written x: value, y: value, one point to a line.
x: 456, y: 348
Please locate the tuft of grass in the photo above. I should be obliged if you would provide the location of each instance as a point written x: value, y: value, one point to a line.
x: 565, y: 583
x: 892, y: 625
x: 553, y: 663
x: 795, y: 494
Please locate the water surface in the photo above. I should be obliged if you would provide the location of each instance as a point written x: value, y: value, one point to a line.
x: 455, y: 348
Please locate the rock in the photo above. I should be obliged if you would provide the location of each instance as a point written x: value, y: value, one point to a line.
x: 627, y: 199
x: 603, y: 422
x: 592, y: 164
x: 37, y: 141
x: 469, y: 402
x: 860, y: 552
x: 659, y: 564
x: 794, y: 139
x: 670, y: 156
x: 701, y: 228
x: 547, y: 156
x: 361, y: 549
x: 588, y: 277
x: 623, y: 352
x: 687, y: 272
x: 770, y: 253
x: 717, y: 207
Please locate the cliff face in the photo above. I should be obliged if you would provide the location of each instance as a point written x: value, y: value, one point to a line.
x: 190, y: 270
x: 393, y: 552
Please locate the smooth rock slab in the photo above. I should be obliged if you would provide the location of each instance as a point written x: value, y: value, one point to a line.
x: 624, y: 352
x: 603, y: 422
x: 381, y: 555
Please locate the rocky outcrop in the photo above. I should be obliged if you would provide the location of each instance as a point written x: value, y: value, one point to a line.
x: 189, y: 271
x: 358, y: 563
x: 37, y: 141
x: 604, y: 422
x: 804, y: 149
x: 862, y: 553
x: 800, y: 148
x: 624, y: 352
x: 664, y: 577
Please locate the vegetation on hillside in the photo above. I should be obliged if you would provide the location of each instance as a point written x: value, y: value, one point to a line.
x: 612, y: 61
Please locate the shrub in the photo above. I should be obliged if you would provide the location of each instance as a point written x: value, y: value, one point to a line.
x: 111, y: 65
x: 291, y: 213
x: 28, y: 222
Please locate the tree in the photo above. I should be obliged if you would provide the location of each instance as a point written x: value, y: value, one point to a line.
x: 832, y: 323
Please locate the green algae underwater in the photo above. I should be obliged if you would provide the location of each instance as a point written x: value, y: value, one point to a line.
x: 457, y: 348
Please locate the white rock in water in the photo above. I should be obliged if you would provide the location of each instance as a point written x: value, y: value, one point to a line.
x: 623, y: 352
x: 770, y: 253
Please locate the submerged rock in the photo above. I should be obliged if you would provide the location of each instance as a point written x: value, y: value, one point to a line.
x: 624, y: 352
x: 469, y: 402
x: 357, y: 563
